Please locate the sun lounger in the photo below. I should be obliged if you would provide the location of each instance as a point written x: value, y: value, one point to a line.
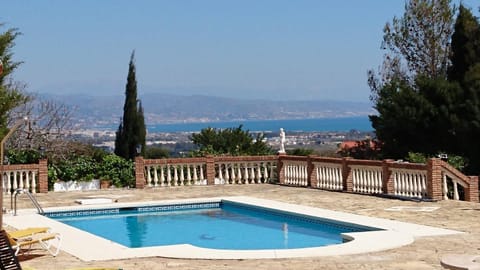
x: 28, y: 232
x: 45, y: 239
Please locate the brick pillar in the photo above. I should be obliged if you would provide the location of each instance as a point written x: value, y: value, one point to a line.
x: 471, y: 193
x: 312, y: 173
x: 281, y: 169
x: 347, y: 176
x: 388, y: 184
x: 139, y: 172
x: 210, y: 160
x: 42, y: 176
x: 434, y: 179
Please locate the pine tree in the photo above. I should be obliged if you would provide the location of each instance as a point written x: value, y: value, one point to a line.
x: 131, y: 132
x: 465, y: 71
x: 465, y: 45
x: 11, y: 92
x: 416, y: 44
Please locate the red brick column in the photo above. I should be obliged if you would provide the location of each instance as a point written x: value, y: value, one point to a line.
x: 388, y: 184
x: 434, y: 179
x: 347, y: 176
x: 139, y: 172
x: 281, y: 169
x: 471, y: 193
x: 42, y: 176
x: 210, y: 170
x: 312, y: 173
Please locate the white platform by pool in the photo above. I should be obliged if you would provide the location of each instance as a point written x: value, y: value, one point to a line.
x: 89, y: 247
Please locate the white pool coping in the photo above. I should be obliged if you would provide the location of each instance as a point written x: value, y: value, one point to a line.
x: 89, y: 247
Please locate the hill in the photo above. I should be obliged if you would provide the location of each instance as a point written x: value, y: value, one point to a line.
x: 169, y: 108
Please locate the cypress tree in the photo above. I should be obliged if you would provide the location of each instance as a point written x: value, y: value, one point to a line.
x: 131, y: 131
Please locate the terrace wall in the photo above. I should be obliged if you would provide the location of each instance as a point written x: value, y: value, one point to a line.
x: 33, y: 177
x: 435, y: 180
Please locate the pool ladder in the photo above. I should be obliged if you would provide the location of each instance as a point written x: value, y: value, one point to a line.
x: 29, y: 195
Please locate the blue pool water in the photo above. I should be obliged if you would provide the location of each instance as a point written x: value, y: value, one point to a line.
x: 218, y: 226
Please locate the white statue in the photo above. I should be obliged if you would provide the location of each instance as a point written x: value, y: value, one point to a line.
x: 282, y: 142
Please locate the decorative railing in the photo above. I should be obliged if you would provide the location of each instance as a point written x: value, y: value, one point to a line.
x: 244, y: 170
x: 180, y: 174
x: 367, y: 179
x: 450, y: 175
x: 296, y: 173
x: 32, y: 177
x: 410, y: 183
x: 205, y: 171
x: 435, y: 180
x: 328, y: 175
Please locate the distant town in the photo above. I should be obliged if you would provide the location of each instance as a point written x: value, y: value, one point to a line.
x: 179, y: 144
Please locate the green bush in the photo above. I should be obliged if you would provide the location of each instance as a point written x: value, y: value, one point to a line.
x: 118, y: 170
x: 23, y: 156
x: 458, y: 162
x: 79, y: 168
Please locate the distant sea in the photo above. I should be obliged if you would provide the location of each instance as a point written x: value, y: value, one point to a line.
x: 360, y: 123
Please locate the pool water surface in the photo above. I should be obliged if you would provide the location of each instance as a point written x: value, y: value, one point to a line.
x: 223, y: 226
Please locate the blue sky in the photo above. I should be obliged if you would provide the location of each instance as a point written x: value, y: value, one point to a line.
x: 279, y: 49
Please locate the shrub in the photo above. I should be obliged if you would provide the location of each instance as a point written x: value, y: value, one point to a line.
x: 117, y: 169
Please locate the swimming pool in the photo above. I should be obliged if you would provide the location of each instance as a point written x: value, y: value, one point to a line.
x: 89, y: 247
x: 219, y: 225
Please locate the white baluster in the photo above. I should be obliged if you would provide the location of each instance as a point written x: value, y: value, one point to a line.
x: 169, y: 175
x: 175, y: 175
x: 34, y: 182
x: 424, y: 185
x: 27, y: 180
x: 245, y: 173
x: 220, y: 174
x: 195, y: 174
x: 182, y: 175
x: 227, y: 175
x: 4, y: 182
x: 305, y: 178
x: 201, y: 173
x: 379, y: 181
x: 15, y: 183
x: 149, y: 176
x: 455, y: 191
x: 20, y: 181
x: 239, y: 174
x: 328, y: 178
x: 8, y: 182
x: 252, y: 173
x: 189, y: 174
x: 232, y: 172
x: 265, y: 173
x: 414, y: 187
x: 162, y: 176
x: 445, y: 188
x: 259, y: 173
x: 155, y: 176
x: 271, y: 174
x: 409, y: 184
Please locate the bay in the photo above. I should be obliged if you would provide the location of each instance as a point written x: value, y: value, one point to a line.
x: 360, y: 123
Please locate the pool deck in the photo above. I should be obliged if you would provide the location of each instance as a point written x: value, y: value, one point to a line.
x: 424, y: 253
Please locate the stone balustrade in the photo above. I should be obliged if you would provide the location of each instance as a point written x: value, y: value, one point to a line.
x: 434, y: 180
x: 423, y: 181
x: 33, y: 177
x: 205, y: 171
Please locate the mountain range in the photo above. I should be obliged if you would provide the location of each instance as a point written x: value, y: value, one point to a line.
x: 162, y: 108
